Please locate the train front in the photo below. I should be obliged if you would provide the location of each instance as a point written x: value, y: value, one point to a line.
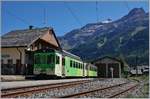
x: 44, y: 63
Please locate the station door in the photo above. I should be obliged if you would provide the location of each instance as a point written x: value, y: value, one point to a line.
x: 101, y: 69
x: 115, y: 67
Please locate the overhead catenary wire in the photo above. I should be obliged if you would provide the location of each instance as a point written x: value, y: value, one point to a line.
x: 18, y: 18
x: 44, y: 19
x: 73, y: 14
x: 126, y: 4
x: 97, y: 17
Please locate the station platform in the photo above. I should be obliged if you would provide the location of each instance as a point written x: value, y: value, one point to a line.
x: 12, y: 78
x: 18, y: 84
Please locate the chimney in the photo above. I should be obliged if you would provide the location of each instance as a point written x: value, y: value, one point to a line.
x: 30, y: 27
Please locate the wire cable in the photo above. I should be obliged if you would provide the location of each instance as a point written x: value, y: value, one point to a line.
x: 126, y: 4
x: 97, y: 18
x: 18, y: 18
x: 44, y: 19
x: 73, y: 14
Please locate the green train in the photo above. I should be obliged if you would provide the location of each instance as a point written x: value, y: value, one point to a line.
x: 61, y: 64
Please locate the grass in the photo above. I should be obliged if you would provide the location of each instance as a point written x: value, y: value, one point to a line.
x: 145, y: 88
x: 140, y: 78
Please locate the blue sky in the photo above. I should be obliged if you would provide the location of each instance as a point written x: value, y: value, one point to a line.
x: 19, y: 15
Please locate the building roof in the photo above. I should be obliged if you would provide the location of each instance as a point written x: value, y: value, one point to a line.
x: 24, y: 37
x: 112, y: 58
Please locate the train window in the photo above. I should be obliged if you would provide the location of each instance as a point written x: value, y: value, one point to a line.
x: 74, y: 64
x: 77, y: 65
x: 57, y: 59
x: 50, y: 59
x: 70, y: 63
x: 80, y: 65
x: 63, y: 61
x: 36, y: 59
x: 43, y: 59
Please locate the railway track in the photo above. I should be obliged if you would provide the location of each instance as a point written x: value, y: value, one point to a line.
x: 103, y: 91
x: 26, y: 91
x: 123, y: 92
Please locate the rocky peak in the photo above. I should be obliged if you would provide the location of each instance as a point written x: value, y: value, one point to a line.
x: 136, y: 11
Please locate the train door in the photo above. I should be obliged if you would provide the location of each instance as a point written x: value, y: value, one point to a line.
x: 83, y: 69
x: 18, y: 65
x: 63, y: 66
x: 29, y: 63
x: 88, y: 70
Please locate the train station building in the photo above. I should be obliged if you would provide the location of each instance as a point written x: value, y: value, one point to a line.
x: 109, y: 67
x: 18, y: 46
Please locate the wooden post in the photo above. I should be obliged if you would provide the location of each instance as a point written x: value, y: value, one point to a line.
x: 106, y: 70
x: 111, y: 69
x: 120, y: 70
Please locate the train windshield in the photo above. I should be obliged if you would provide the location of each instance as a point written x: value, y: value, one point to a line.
x: 40, y: 59
x: 50, y: 59
x: 44, y: 59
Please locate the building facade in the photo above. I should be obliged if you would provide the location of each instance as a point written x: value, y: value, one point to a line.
x: 17, y: 49
x: 109, y: 67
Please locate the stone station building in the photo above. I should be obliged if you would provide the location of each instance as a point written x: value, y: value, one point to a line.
x: 18, y: 46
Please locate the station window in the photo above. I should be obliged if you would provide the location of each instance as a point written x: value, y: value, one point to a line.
x: 2, y: 61
x: 10, y: 61
x: 57, y: 59
x: 18, y: 61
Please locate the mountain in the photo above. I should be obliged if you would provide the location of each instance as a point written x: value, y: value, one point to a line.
x: 127, y: 37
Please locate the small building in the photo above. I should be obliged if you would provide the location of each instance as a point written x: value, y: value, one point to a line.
x: 109, y: 67
x: 18, y: 46
x: 139, y: 70
x: 136, y: 72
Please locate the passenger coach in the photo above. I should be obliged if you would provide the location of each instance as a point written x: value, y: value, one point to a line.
x: 61, y: 64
